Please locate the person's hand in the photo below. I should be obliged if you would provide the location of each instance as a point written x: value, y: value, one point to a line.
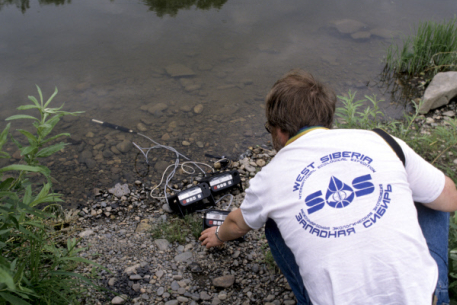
x: 209, y: 239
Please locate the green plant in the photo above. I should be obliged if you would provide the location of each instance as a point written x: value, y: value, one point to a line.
x: 431, y: 49
x: 34, y: 267
x: 177, y: 229
x: 268, y: 259
x: 350, y: 117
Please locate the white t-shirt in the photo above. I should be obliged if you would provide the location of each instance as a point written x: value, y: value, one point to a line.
x: 343, y: 202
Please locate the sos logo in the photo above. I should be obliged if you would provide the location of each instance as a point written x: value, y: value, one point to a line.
x: 339, y: 195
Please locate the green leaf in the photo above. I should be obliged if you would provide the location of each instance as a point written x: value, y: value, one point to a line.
x: 27, y: 150
x: 4, y: 155
x: 32, y: 139
x: 4, y: 135
x: 46, y: 152
x: 7, y: 279
x: 41, y: 95
x: 66, y: 134
x: 34, y: 100
x: 21, y: 116
x: 5, y: 231
x: 26, y: 107
x: 49, y: 198
x: 18, y: 276
x: 4, y: 185
x: 27, y: 232
x: 11, y: 195
x: 50, y: 99
x: 29, y: 168
x: 28, y: 195
x: 13, y: 299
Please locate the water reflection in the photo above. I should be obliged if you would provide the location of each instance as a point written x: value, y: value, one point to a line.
x: 161, y: 7
x: 24, y: 5
x: 171, y: 7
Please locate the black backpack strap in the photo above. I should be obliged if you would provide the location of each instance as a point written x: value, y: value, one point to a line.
x: 392, y: 143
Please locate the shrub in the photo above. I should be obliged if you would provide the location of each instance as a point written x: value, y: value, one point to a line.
x: 35, y: 268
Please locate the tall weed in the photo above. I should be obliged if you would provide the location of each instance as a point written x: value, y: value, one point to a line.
x: 34, y: 269
x: 432, y: 49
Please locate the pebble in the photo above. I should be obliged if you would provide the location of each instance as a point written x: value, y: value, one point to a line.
x: 185, y: 143
x: 198, y: 109
x: 86, y: 233
x: 141, y: 127
x: 260, y: 162
x: 118, y: 300
x: 224, y: 281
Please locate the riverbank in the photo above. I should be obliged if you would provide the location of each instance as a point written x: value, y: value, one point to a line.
x: 121, y: 230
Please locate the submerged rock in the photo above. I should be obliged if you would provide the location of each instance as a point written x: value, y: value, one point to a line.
x: 178, y: 70
x: 349, y: 26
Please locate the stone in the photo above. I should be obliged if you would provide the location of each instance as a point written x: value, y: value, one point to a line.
x: 136, y: 287
x: 90, y: 134
x: 112, y: 281
x: 161, y: 166
x: 449, y: 113
x: 162, y: 244
x: 157, y: 108
x: 86, y: 233
x: 200, y: 144
x: 143, y: 227
x: 216, y: 301
x: 174, y: 286
x: 119, y: 300
x: 182, y: 299
x: 185, y: 143
x: 348, y: 26
x: 260, y: 162
x: 186, y: 256
x: 172, y: 302
x: 166, y: 137
x: 455, y: 161
x: 124, y: 146
x: 160, y: 291
x: 383, y: 33
x: 198, y: 108
x: 440, y: 91
x: 179, y: 70
x: 115, y: 150
x: 429, y: 120
x: 131, y: 269
x: 361, y: 35
x: 205, y: 296
x: 224, y: 281
x: 186, y: 108
x: 159, y: 274
x: 120, y: 190
x: 166, y: 208
x: 141, y: 127
x: 222, y: 296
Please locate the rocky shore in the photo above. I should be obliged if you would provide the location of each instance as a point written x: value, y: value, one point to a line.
x: 117, y: 228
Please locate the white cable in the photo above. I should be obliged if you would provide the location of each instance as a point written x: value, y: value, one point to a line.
x: 230, y: 203
x: 175, y: 165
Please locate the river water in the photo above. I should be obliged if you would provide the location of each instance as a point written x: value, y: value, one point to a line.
x: 146, y: 64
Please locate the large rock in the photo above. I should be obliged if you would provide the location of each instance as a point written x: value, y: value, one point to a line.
x: 178, y: 70
x: 440, y: 91
x: 349, y: 26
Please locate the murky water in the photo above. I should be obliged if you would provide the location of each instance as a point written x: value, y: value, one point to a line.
x: 117, y: 60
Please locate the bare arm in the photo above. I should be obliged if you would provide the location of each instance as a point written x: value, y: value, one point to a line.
x: 447, y: 200
x: 233, y: 227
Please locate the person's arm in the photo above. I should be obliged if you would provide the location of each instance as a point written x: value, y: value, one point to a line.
x: 447, y: 200
x: 233, y: 227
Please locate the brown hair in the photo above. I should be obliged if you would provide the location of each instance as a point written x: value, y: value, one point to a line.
x: 298, y: 100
